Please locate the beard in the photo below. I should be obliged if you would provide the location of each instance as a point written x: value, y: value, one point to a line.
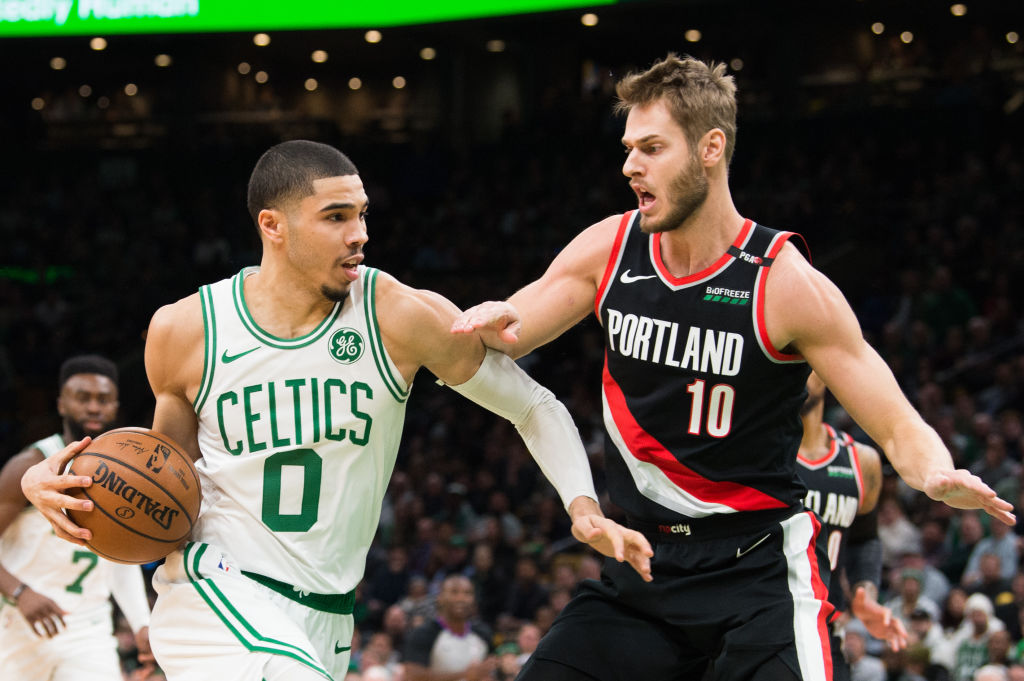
x: 78, y: 431
x: 335, y: 295
x: 690, y: 190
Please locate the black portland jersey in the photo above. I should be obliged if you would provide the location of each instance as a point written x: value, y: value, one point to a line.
x: 835, y: 488
x: 702, y: 411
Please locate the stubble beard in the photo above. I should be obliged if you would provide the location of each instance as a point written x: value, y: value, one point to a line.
x: 335, y: 295
x: 690, y: 190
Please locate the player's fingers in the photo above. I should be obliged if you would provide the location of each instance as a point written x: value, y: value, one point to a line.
x: 640, y: 542
x: 510, y: 334
x: 65, y: 529
x: 618, y: 545
x: 58, y: 460
x: 69, y: 502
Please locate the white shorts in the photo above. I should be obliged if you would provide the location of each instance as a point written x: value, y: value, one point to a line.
x: 212, y: 622
x: 84, y: 650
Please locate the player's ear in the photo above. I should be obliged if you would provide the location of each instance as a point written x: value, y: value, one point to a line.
x: 712, y: 147
x: 271, y: 223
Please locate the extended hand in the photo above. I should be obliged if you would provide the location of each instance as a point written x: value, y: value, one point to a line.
x: 611, y: 539
x: 878, y: 620
x: 962, y: 489
x: 497, y: 316
x: 44, y: 487
x: 44, y: 616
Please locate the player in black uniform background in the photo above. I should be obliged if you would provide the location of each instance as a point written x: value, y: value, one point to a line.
x: 710, y: 323
x: 844, y: 479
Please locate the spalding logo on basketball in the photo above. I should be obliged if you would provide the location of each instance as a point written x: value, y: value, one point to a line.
x: 146, y: 494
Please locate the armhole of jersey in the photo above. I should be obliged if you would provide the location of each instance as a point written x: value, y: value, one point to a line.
x: 760, y: 327
x: 209, y: 347
x: 613, y: 261
x: 380, y: 355
x: 857, y: 473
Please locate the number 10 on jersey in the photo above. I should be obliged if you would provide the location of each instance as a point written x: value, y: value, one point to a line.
x: 720, y: 401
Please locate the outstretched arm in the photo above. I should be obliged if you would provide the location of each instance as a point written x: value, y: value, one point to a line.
x: 807, y: 313
x: 417, y: 334
x: 544, y: 309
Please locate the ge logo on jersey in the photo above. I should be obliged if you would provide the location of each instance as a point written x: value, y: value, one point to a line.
x: 346, y: 345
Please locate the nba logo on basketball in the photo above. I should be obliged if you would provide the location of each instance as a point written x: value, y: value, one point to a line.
x: 158, y: 458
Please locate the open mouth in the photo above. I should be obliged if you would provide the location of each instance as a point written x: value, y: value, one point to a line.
x: 645, y: 198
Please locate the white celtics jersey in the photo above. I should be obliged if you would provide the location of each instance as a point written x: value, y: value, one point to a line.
x: 298, y: 438
x: 69, y: 574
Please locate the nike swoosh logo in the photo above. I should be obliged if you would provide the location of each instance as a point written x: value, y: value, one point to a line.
x: 742, y: 552
x: 627, y: 279
x: 338, y: 650
x: 228, y: 359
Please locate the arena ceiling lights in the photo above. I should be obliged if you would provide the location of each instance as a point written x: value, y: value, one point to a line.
x: 105, y: 17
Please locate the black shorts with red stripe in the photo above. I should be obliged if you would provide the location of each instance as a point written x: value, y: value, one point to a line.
x: 748, y: 606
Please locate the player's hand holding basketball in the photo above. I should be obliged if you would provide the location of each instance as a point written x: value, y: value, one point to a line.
x: 46, y: 488
x: 962, y: 489
x: 609, y: 538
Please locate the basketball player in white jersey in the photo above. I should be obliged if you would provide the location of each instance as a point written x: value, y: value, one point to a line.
x: 287, y: 384
x: 55, y: 616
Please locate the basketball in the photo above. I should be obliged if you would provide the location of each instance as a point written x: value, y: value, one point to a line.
x: 146, y: 494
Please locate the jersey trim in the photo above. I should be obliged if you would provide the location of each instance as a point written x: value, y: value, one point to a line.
x: 614, y: 258
x: 49, y: 446
x: 209, y: 347
x: 380, y: 356
x: 269, y: 338
x: 698, y: 277
x: 707, y: 496
x: 243, y: 630
x: 833, y: 450
x: 760, y: 326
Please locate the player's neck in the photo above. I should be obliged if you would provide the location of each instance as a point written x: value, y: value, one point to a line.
x: 814, y: 445
x: 281, y: 307
x: 703, y: 238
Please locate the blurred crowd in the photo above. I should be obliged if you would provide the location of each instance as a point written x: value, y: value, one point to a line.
x: 916, y: 212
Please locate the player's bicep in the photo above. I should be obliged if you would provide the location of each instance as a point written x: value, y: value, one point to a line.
x: 811, y: 312
x: 416, y: 333
x: 173, y: 370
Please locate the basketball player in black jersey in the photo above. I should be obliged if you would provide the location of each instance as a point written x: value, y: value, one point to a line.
x: 844, y: 479
x: 711, y: 325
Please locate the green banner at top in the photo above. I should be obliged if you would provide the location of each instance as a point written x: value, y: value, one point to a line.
x: 99, y: 17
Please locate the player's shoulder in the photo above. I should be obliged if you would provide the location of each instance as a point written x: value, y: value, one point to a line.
x: 400, y: 303
x: 179, y: 320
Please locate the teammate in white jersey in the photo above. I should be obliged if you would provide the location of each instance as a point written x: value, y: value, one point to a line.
x: 287, y: 384
x: 55, y: 616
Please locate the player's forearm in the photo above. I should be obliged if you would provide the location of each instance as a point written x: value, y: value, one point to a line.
x: 9, y: 584
x: 915, y: 450
x: 542, y: 421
